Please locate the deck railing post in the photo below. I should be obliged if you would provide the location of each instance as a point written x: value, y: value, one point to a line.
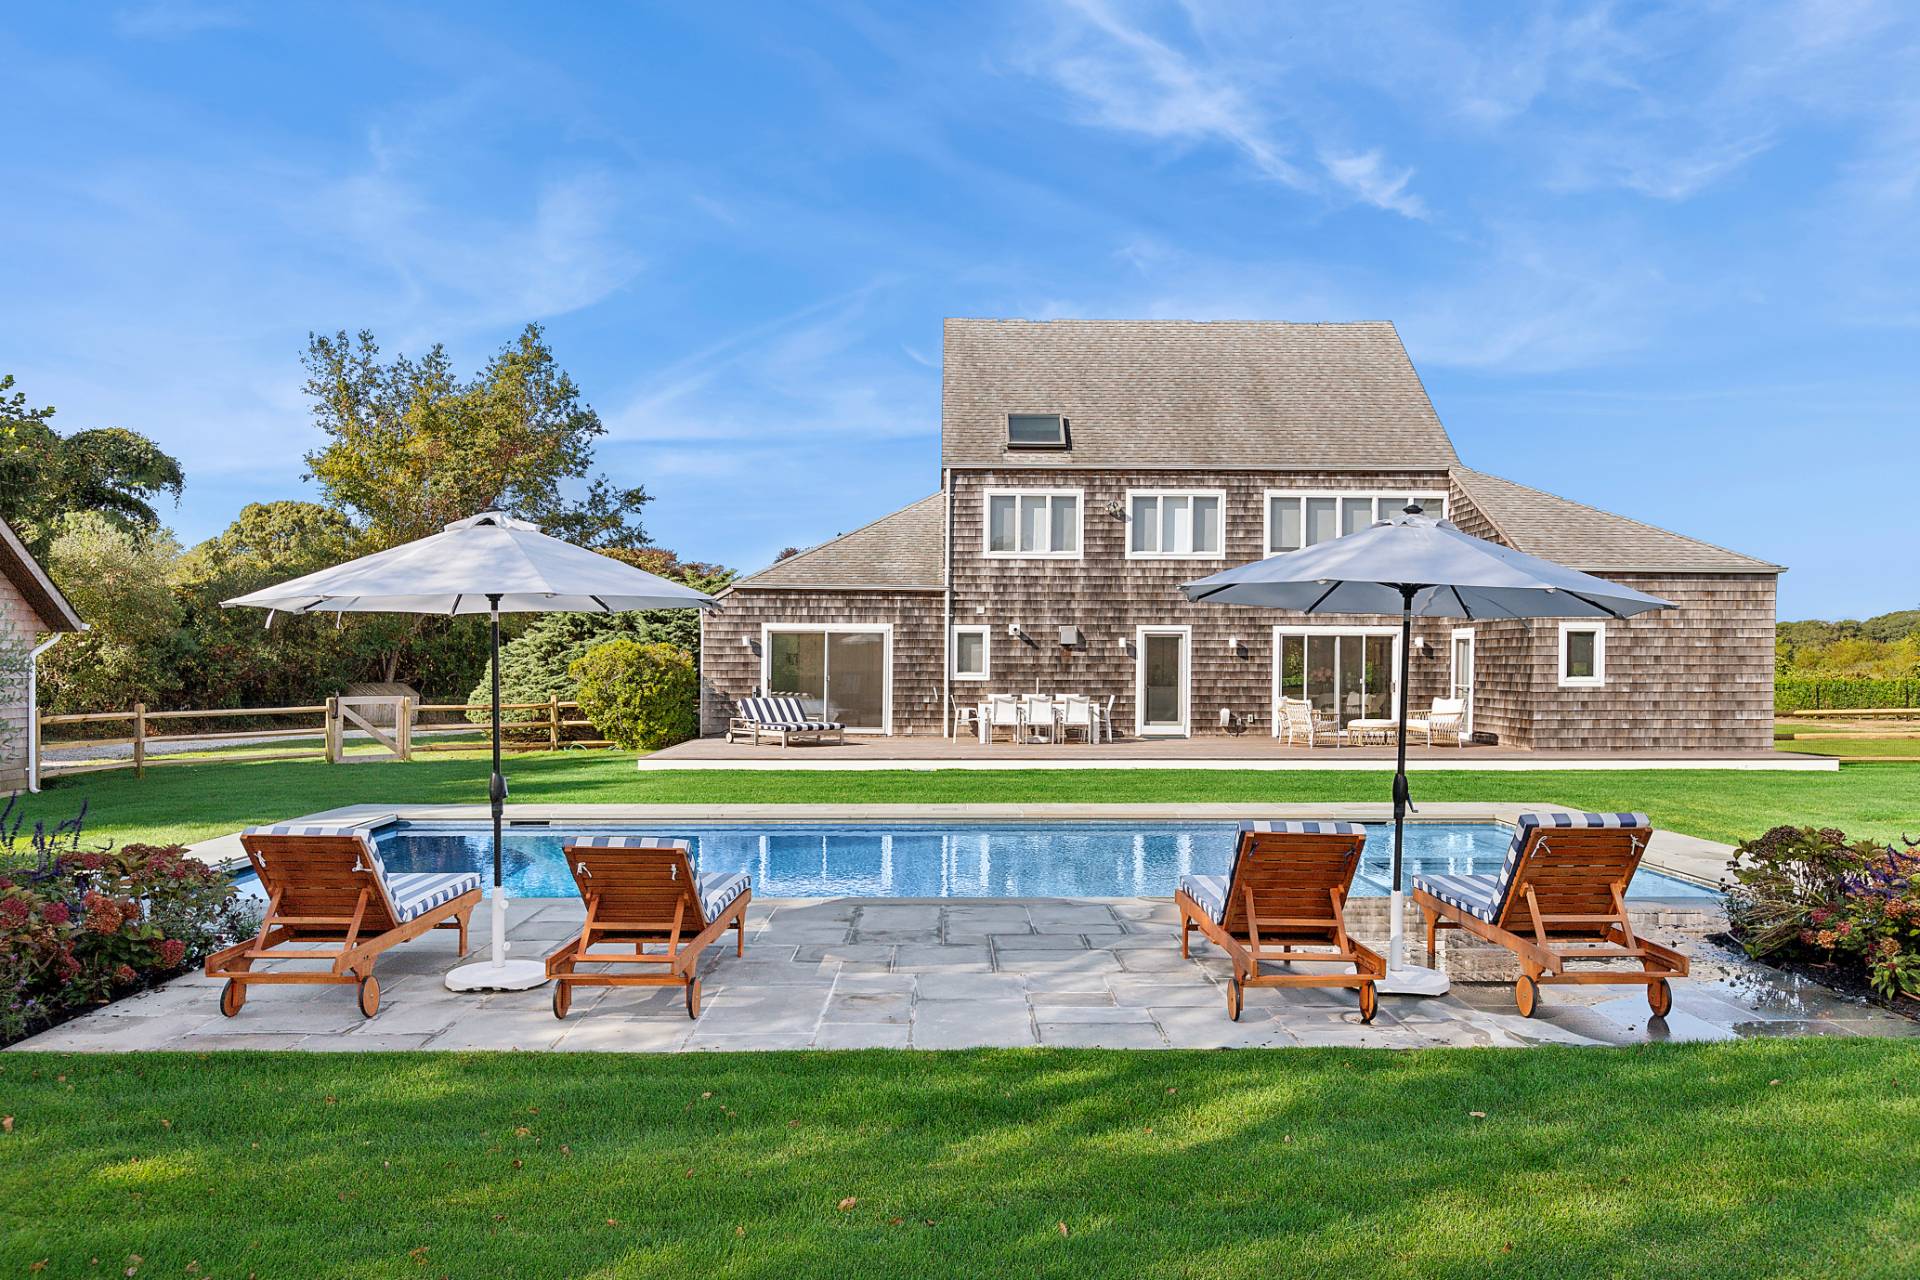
x: 403, y: 727
x: 333, y: 731
x: 139, y: 739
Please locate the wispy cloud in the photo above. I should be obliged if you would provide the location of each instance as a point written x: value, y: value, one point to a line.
x: 1129, y: 79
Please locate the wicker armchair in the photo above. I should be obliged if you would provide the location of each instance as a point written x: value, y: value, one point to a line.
x: 1302, y: 723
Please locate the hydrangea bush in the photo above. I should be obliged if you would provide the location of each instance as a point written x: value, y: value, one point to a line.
x: 1810, y: 893
x: 83, y: 924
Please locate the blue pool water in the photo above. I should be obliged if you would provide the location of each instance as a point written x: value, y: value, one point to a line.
x: 955, y: 860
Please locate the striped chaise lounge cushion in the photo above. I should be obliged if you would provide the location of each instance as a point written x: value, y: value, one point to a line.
x: 412, y: 893
x: 716, y: 888
x: 1211, y: 891
x: 1483, y: 896
x: 781, y: 713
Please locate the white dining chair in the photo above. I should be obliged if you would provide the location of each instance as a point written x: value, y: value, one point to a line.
x: 1038, y: 711
x: 1078, y: 713
x: 1003, y: 712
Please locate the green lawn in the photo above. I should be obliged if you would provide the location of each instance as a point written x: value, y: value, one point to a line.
x: 1864, y: 745
x: 192, y: 802
x: 1774, y: 1158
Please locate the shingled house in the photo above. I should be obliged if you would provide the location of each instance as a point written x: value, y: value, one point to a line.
x: 1089, y: 467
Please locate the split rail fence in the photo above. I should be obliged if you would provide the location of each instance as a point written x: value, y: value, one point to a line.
x: 388, y: 722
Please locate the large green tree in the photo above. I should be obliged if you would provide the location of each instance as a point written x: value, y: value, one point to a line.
x: 412, y: 447
x: 44, y: 475
x: 118, y: 581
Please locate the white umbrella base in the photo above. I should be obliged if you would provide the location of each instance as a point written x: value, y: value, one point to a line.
x: 1412, y: 980
x: 508, y: 975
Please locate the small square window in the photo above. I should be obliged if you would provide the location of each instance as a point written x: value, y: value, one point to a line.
x: 971, y: 653
x: 1036, y: 431
x: 1583, y: 655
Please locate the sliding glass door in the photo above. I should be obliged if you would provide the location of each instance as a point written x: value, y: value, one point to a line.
x: 1348, y: 675
x: 838, y: 673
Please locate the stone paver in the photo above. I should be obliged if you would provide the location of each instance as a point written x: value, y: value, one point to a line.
x: 853, y: 974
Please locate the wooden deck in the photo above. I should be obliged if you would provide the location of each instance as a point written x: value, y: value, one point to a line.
x: 1211, y: 751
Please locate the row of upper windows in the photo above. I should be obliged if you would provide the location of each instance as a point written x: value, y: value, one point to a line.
x: 1181, y: 524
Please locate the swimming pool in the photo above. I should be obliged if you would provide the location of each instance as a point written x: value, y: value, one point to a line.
x: 1076, y: 859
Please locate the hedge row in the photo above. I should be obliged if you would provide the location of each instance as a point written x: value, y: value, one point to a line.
x: 1806, y: 693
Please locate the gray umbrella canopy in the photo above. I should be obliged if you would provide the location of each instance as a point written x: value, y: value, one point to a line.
x: 1417, y: 566
x: 1456, y: 575
x: 469, y: 565
x: 487, y: 564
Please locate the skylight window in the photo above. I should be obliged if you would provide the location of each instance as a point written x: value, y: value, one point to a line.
x: 1036, y: 431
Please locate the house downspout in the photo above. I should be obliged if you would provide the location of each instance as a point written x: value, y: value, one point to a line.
x: 33, y: 710
x: 946, y: 627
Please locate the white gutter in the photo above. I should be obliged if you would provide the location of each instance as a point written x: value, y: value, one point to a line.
x: 33, y: 710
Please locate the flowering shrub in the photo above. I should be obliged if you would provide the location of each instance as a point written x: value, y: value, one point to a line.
x: 81, y: 925
x: 1812, y: 893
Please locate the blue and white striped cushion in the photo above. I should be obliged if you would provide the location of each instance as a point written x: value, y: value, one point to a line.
x: 789, y: 711
x: 416, y: 893
x: 1210, y: 892
x: 715, y: 888
x: 718, y: 888
x: 368, y: 850
x: 1304, y: 828
x: 1484, y: 896
x: 408, y: 895
x: 782, y: 713
x: 1475, y: 895
x: 632, y: 842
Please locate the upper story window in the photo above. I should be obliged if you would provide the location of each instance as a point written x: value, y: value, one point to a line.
x: 1171, y: 523
x: 1296, y: 520
x: 1036, y: 431
x: 1029, y: 523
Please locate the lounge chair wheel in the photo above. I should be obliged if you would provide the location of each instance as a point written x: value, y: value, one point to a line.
x: 693, y: 998
x: 232, y: 996
x: 1236, y: 999
x: 369, y: 996
x: 1526, y: 994
x: 1660, y: 998
x: 1369, y: 1003
x: 562, y: 998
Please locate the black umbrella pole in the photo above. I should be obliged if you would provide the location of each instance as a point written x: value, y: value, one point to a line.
x: 497, y: 784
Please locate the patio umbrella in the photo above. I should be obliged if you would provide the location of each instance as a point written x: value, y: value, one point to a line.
x: 1417, y: 566
x: 491, y: 564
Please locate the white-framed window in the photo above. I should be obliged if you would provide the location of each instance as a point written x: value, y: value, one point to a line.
x: 1175, y: 524
x: 1301, y: 518
x: 1583, y: 655
x: 1033, y: 523
x: 972, y: 653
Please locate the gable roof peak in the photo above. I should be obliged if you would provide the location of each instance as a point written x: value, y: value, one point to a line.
x: 1190, y: 394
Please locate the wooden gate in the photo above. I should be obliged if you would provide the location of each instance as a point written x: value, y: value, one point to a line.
x: 359, y: 711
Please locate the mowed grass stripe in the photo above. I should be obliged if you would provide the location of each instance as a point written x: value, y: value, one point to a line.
x: 1762, y: 1158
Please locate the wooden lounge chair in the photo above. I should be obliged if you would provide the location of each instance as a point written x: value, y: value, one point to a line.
x: 641, y: 890
x: 782, y: 719
x: 1561, y: 895
x: 1286, y: 891
x: 326, y: 884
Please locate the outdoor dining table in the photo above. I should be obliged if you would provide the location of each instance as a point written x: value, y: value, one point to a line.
x: 984, y: 724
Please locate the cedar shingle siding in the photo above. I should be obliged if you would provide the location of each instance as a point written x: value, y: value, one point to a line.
x: 1244, y: 408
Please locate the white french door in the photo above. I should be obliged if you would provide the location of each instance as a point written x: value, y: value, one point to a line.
x: 839, y: 673
x: 1346, y: 674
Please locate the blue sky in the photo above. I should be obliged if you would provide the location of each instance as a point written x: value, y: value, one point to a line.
x: 1660, y: 260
